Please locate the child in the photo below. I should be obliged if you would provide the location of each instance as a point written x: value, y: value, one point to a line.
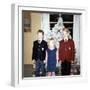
x: 66, y: 52
x: 39, y: 54
x: 51, y: 57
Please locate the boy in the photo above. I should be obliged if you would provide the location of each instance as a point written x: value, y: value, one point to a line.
x: 39, y: 53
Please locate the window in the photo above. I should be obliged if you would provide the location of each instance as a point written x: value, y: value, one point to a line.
x: 67, y: 21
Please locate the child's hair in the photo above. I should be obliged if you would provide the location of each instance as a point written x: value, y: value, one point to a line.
x: 51, y: 39
x: 40, y: 31
x: 67, y: 30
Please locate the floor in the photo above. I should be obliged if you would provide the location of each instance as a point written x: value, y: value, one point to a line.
x: 29, y: 71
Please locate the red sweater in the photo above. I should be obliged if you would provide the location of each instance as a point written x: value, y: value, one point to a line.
x: 66, y: 50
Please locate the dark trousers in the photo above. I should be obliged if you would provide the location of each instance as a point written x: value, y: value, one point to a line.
x: 39, y: 68
x: 65, y: 68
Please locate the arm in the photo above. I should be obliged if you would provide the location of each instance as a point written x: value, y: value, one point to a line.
x: 33, y: 51
x: 46, y: 46
x: 46, y: 58
x: 73, y: 51
x: 59, y: 52
x: 57, y: 56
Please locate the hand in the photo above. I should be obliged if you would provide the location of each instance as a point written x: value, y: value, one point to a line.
x: 72, y: 62
x: 44, y: 61
x: 59, y: 61
x: 34, y: 61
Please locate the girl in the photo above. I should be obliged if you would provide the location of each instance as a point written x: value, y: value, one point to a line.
x: 51, y: 57
x: 66, y: 52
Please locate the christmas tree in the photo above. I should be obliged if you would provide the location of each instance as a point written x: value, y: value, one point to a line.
x: 56, y: 31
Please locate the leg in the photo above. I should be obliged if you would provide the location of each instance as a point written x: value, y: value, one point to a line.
x: 49, y: 74
x: 68, y: 69
x: 42, y: 67
x: 65, y: 68
x: 53, y: 73
x: 37, y: 68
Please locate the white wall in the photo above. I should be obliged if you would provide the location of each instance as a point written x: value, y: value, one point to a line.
x: 5, y: 43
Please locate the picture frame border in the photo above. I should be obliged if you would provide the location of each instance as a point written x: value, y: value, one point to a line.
x: 16, y: 46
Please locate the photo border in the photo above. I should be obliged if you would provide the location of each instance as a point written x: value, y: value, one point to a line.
x: 16, y: 43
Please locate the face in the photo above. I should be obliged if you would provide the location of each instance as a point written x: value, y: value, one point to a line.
x: 40, y: 36
x: 65, y: 34
x: 51, y: 43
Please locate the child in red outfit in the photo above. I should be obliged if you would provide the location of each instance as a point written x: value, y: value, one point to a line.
x: 66, y: 52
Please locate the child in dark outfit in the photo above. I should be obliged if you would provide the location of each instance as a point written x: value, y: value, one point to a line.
x: 39, y: 54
